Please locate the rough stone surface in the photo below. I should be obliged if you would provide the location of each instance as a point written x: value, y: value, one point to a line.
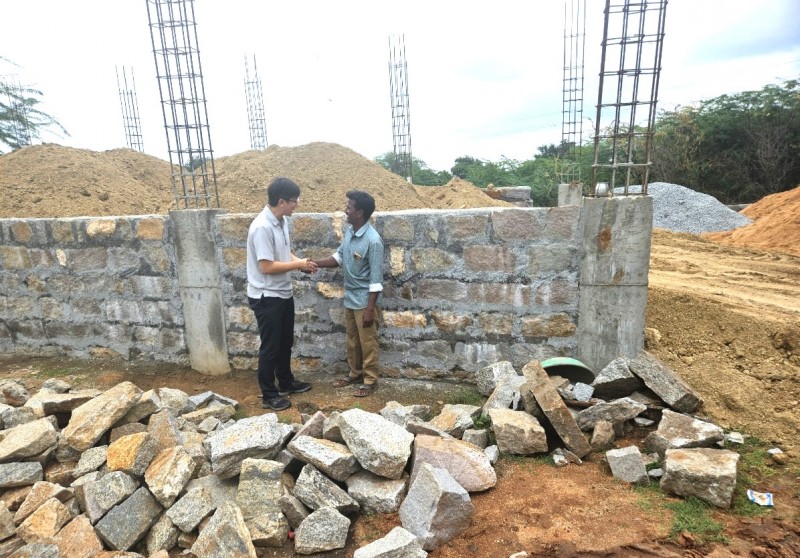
x: 506, y: 395
x: 131, y: 454
x: 168, y: 473
x: 376, y: 494
x: 627, y: 465
x: 487, y: 377
x: 44, y: 522
x: 325, y: 529
x: 554, y: 409
x: 676, y: 430
x: 260, y: 487
x: 317, y: 491
x: 455, y: 419
x: 379, y: 445
x: 27, y: 440
x: 335, y: 460
x: 614, y: 412
x: 20, y: 474
x: 77, y: 539
x: 665, y: 383
x: 398, y: 543
x: 92, y: 419
x: 99, y: 496
x: 436, y: 509
x: 465, y: 462
x: 259, y: 437
x: 225, y: 536
x: 517, y: 432
x: 126, y: 523
x: 616, y: 380
x: 708, y: 474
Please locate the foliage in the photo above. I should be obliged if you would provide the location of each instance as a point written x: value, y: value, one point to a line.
x: 737, y: 148
x: 694, y: 515
x: 422, y: 174
x: 754, y: 466
x: 20, y: 119
x: 466, y: 396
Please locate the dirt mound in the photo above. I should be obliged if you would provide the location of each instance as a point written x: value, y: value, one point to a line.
x: 457, y: 194
x: 54, y: 181
x: 776, y: 226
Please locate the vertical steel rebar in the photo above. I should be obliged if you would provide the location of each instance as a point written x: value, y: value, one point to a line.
x: 255, y: 107
x: 572, y: 91
x: 179, y: 72
x: 401, y: 116
x: 628, y: 136
x: 129, y: 104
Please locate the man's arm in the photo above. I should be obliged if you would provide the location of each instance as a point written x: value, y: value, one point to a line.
x: 375, y: 281
x: 330, y: 261
x: 270, y: 267
x: 369, y: 311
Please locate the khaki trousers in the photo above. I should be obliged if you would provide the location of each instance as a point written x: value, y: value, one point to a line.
x: 362, y: 345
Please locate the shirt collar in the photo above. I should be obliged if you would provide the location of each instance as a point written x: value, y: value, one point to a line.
x: 362, y: 230
x: 271, y: 217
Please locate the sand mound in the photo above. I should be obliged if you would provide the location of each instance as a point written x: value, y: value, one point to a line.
x: 776, y: 226
x: 54, y: 181
x: 456, y: 194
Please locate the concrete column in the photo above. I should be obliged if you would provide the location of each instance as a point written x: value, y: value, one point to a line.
x: 199, y: 283
x: 570, y: 194
x: 615, y: 261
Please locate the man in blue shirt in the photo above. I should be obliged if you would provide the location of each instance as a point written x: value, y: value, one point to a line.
x: 361, y: 257
x: 270, y: 263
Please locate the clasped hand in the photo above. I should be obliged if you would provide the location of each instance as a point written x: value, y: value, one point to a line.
x: 309, y: 266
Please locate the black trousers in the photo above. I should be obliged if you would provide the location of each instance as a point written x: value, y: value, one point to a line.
x: 275, y: 318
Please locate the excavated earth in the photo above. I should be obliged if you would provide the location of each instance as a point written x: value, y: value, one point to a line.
x: 723, y: 311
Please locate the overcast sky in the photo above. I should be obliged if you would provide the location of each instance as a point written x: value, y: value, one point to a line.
x: 485, y: 77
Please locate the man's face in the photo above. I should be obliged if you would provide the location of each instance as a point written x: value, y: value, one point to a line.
x: 288, y: 206
x: 351, y: 212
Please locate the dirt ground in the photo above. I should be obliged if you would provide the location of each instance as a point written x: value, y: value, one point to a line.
x: 723, y: 311
x: 726, y: 319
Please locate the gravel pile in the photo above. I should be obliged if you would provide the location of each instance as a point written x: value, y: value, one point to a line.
x: 680, y: 209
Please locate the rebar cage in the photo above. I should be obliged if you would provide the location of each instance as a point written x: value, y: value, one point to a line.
x: 401, y: 117
x: 173, y: 31
x: 630, y: 68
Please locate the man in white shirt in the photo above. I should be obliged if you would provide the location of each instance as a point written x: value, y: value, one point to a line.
x: 269, y: 293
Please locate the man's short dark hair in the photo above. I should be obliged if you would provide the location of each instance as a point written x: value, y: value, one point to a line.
x: 282, y: 188
x: 362, y: 201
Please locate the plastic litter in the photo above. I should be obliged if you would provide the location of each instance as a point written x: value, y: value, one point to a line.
x: 760, y: 498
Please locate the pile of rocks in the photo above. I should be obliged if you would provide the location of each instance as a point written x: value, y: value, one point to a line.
x: 86, y: 473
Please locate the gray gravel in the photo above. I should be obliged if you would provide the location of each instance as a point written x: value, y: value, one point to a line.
x: 681, y: 209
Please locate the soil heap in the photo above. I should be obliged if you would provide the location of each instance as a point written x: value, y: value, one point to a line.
x: 776, y: 226
x: 50, y: 180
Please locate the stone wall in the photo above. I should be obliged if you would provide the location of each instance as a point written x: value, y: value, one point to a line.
x: 462, y: 289
x: 90, y: 287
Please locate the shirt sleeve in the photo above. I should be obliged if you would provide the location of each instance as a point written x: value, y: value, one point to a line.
x: 263, y: 244
x: 376, y: 266
x: 338, y: 255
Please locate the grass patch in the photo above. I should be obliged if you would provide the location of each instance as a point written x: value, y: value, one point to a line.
x: 754, y: 465
x: 694, y: 515
x: 240, y: 413
x: 466, y: 396
x: 481, y: 422
x: 60, y: 371
x: 649, y: 497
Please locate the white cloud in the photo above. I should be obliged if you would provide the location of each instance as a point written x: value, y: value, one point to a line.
x: 485, y: 78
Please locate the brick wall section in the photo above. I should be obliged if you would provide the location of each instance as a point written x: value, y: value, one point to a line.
x: 86, y: 287
x: 463, y: 289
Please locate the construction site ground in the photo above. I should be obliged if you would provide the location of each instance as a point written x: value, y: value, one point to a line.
x: 724, y: 316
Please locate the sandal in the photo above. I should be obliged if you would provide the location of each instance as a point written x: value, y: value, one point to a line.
x: 364, y: 390
x: 348, y: 381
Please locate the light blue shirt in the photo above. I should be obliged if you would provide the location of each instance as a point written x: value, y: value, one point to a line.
x: 361, y: 258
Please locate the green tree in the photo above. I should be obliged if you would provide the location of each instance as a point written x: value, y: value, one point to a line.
x: 423, y: 175
x: 20, y: 120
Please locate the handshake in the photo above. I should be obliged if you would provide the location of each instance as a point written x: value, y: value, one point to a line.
x: 308, y: 266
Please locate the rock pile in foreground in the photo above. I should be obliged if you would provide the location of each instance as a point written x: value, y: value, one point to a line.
x: 84, y: 473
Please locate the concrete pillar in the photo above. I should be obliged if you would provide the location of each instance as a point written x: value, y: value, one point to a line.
x: 615, y: 261
x: 199, y: 283
x: 570, y: 194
